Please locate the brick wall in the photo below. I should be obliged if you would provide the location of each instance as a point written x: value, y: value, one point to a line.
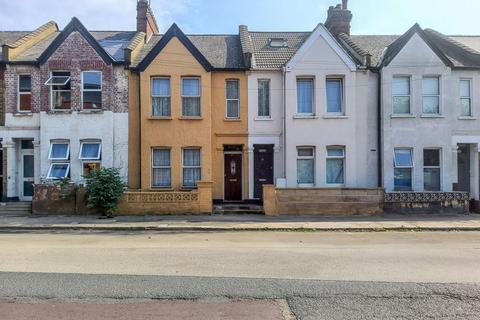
x: 2, y: 96
x: 74, y: 55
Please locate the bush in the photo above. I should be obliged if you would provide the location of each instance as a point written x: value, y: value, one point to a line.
x: 104, y: 189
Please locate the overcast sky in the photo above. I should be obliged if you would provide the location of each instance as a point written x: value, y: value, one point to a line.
x: 224, y: 16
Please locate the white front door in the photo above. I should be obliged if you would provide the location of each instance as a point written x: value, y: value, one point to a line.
x: 27, y: 175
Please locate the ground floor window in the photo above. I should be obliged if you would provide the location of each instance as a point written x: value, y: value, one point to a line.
x: 335, y: 165
x: 59, y: 154
x: 306, y: 165
x: 90, y: 155
x: 403, y: 168
x: 58, y: 171
x: 431, y: 169
x: 191, y: 164
x: 161, y: 168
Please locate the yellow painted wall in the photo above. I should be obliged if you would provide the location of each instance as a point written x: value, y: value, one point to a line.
x: 176, y: 133
x: 133, y: 131
x: 228, y: 131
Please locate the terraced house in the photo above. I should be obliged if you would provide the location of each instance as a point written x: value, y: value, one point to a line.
x: 65, y: 105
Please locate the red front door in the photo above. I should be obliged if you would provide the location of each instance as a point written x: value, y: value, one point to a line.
x: 233, y: 177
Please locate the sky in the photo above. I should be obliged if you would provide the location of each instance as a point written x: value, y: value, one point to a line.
x: 224, y: 16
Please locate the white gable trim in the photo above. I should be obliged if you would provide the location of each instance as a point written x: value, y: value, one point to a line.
x: 321, y: 31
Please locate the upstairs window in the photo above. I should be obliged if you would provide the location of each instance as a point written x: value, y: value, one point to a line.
x: 191, y: 97
x: 161, y: 97
x: 232, y: 99
x: 264, y: 98
x: 466, y: 97
x: 90, y: 151
x: 24, y: 93
x: 401, y: 95
x: 92, y: 90
x: 60, y: 90
x: 335, y: 165
x: 403, y: 167
x: 431, y: 95
x: 59, y: 151
x: 334, y: 96
x: 305, y: 96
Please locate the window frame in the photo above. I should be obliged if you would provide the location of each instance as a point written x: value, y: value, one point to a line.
x: 69, y: 79
x: 409, y: 95
x: 269, y: 116
x: 412, y: 167
x: 51, y: 149
x: 199, y: 78
x: 19, y: 93
x: 82, y: 90
x: 312, y: 157
x: 161, y: 167
x: 342, y: 157
x: 469, y: 98
x: 152, y: 96
x: 191, y: 167
x: 439, y: 113
x: 305, y: 78
x: 58, y: 163
x: 99, y: 154
x: 227, y: 99
x: 439, y: 167
x: 342, y: 95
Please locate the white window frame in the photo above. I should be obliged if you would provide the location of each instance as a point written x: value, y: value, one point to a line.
x: 51, y: 149
x: 98, y: 157
x: 433, y: 95
x: 199, y: 92
x: 58, y: 163
x: 312, y: 157
x: 342, y: 95
x: 269, y: 99
x: 412, y: 167
x: 342, y: 157
x: 19, y: 94
x: 439, y: 167
x: 410, y: 111
x: 470, y: 84
x: 162, y: 167
x: 69, y: 78
x: 160, y: 96
x: 82, y: 89
x: 227, y: 99
x: 303, y: 78
x: 191, y: 167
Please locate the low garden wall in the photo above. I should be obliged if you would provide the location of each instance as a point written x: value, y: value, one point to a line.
x: 70, y: 200
x: 427, y: 202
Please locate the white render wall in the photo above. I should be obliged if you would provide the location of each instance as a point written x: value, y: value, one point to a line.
x: 415, y: 131
x: 265, y: 131
x: 356, y: 130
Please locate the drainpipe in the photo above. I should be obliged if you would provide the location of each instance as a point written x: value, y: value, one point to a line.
x: 140, y: 124
x: 379, y: 126
x: 284, y: 80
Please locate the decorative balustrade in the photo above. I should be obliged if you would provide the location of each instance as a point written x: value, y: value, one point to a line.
x: 423, y: 197
x: 161, y: 197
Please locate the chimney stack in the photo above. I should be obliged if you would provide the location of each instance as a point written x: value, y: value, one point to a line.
x: 145, y: 19
x: 339, y: 18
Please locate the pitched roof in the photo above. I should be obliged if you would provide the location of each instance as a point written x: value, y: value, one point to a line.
x: 221, y: 51
x: 7, y: 37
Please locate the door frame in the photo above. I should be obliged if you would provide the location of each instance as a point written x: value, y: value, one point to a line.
x: 25, y: 152
x: 223, y: 174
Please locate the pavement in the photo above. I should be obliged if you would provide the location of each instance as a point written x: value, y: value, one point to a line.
x: 245, y: 222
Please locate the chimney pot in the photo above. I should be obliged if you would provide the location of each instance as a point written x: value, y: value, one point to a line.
x: 345, y: 4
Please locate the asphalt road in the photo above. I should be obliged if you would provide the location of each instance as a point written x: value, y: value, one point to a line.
x: 319, y: 275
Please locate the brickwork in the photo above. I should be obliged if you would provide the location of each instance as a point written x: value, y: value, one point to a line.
x: 74, y: 55
x: 2, y: 96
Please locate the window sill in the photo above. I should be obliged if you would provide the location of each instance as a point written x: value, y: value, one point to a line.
x: 188, y: 189
x: 160, y: 189
x: 335, y: 116
x: 467, y: 118
x: 60, y: 112
x: 403, y: 116
x: 263, y: 119
x: 306, y: 185
x: 432, y: 116
x: 305, y: 116
x: 232, y: 119
x: 89, y: 111
x: 159, y: 118
x: 190, y: 118
x: 23, y: 114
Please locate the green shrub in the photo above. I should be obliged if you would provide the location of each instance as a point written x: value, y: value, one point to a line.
x: 104, y: 189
